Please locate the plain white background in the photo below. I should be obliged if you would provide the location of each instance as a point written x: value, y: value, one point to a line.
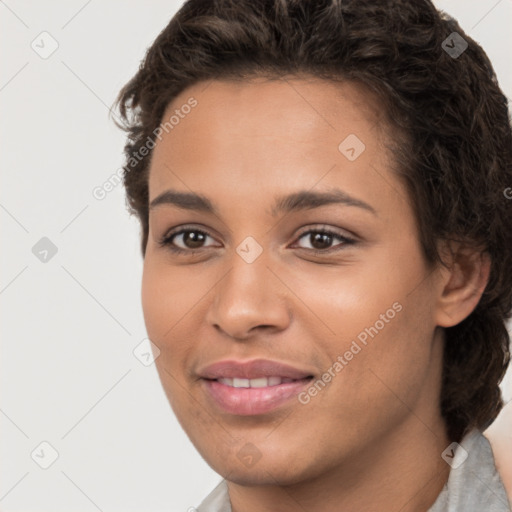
x: 70, y: 324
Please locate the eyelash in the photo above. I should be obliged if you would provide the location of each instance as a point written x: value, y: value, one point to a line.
x: 166, y: 240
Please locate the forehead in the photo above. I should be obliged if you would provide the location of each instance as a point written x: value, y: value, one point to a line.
x: 266, y: 135
x: 303, y: 109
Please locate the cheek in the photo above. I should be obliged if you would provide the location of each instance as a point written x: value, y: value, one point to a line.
x: 155, y: 301
x: 378, y: 320
x: 165, y: 304
x: 345, y: 300
x: 168, y: 295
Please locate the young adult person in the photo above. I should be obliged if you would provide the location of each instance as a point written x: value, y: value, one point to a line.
x: 322, y: 191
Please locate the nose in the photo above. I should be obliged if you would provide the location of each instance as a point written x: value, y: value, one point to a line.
x: 249, y: 299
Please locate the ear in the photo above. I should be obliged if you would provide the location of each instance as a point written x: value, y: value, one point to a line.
x: 461, y: 284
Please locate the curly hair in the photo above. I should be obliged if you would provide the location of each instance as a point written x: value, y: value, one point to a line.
x: 453, y: 143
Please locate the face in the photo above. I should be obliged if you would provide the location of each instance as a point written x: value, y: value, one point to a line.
x: 284, y: 281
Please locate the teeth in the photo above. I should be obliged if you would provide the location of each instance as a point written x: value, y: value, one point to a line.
x: 274, y: 381
x: 261, y: 382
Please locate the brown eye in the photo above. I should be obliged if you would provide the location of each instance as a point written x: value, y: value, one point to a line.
x: 192, y: 239
x: 185, y: 240
x: 322, y: 239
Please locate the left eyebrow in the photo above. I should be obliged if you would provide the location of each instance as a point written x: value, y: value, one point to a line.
x: 307, y: 200
x: 301, y: 200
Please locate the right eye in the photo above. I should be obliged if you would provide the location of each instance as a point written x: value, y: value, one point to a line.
x: 190, y: 239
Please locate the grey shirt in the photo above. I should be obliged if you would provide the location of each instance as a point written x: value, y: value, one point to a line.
x: 473, y: 485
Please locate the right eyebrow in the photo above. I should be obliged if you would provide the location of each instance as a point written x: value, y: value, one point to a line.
x: 184, y: 200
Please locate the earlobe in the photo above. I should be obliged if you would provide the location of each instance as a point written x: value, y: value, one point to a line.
x: 462, y: 285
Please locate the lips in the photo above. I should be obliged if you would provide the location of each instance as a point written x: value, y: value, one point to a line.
x: 252, y: 370
x: 253, y: 387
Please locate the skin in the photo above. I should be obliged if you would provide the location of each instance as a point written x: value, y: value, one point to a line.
x: 372, y: 438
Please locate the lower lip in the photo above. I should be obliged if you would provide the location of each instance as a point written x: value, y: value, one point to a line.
x: 253, y: 401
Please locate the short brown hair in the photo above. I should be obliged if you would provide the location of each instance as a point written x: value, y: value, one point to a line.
x: 454, y: 155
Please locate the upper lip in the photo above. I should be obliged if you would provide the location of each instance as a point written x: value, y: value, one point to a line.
x: 251, y: 370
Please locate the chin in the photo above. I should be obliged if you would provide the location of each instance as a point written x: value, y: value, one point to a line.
x: 251, y: 477
x: 276, y: 471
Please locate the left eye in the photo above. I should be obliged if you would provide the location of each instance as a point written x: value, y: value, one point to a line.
x: 320, y: 238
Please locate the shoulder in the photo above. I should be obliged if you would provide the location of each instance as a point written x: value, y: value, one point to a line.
x: 474, y: 483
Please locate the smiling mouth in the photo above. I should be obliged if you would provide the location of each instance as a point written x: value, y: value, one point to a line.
x: 251, y: 397
x: 261, y: 382
x: 252, y: 387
